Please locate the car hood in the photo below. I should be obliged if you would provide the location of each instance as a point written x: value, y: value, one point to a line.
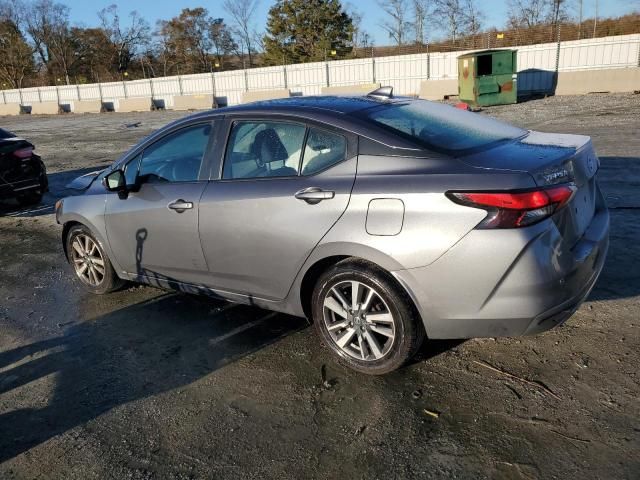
x: 84, y: 181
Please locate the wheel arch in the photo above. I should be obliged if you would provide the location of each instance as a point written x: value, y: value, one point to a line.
x: 65, y: 231
x: 320, y: 265
x: 69, y: 220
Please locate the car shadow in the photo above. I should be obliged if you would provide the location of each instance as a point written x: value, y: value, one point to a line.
x: 619, y: 179
x: 129, y: 354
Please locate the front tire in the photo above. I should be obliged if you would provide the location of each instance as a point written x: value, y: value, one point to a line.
x: 365, y: 318
x: 90, y: 263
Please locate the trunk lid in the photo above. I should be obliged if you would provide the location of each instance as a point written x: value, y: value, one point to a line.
x: 551, y: 159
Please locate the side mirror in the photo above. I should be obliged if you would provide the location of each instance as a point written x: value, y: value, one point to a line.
x: 116, y: 182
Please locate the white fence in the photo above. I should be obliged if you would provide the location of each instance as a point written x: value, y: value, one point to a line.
x: 404, y: 73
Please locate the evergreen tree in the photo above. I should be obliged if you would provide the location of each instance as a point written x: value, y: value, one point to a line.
x: 307, y: 31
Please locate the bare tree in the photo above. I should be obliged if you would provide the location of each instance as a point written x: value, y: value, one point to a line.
x: 473, y: 17
x: 48, y: 26
x: 243, y: 13
x: 126, y: 40
x: 558, y: 11
x: 527, y: 13
x: 397, y: 26
x: 163, y: 48
x: 451, y: 13
x: 421, y: 11
x: 360, y: 37
x: 222, y: 39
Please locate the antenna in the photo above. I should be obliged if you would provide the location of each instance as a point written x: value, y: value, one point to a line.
x: 382, y: 93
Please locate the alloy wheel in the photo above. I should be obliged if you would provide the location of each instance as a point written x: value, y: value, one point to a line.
x: 359, y: 321
x: 87, y: 260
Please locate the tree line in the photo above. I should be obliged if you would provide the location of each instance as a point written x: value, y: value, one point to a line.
x: 39, y: 44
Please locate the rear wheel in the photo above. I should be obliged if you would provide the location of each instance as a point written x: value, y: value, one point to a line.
x: 31, y: 198
x: 34, y: 197
x: 90, y: 263
x: 365, y: 318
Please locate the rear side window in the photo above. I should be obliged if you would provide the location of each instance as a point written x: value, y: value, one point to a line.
x: 263, y: 149
x: 442, y: 127
x: 322, y: 150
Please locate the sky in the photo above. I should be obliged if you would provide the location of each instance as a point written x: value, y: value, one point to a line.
x: 84, y: 12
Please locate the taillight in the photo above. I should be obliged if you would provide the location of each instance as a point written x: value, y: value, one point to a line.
x: 23, y: 152
x: 515, y: 209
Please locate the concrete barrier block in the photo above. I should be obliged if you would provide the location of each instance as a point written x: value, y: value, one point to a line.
x: 136, y: 104
x: 616, y: 80
x: 258, y: 95
x: 193, y: 102
x: 9, y: 109
x: 45, y: 108
x: 360, y: 89
x: 87, y: 106
x: 438, y: 89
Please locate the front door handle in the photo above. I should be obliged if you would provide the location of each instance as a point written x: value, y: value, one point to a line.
x: 180, y: 206
x: 314, y: 195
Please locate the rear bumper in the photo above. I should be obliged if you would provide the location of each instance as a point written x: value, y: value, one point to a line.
x: 17, y: 188
x: 35, y: 179
x: 508, y: 283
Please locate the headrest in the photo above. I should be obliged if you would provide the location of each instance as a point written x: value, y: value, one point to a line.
x: 268, y: 139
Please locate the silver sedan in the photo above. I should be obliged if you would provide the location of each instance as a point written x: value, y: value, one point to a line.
x: 382, y: 219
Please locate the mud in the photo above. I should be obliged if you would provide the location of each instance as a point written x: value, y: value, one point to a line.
x: 148, y: 384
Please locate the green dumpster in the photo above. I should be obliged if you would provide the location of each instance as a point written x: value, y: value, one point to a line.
x: 488, y: 77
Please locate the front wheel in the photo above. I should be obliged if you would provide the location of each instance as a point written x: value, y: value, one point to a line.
x: 90, y: 263
x: 365, y: 318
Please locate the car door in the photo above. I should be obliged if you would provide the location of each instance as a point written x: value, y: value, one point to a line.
x: 262, y: 218
x: 153, y: 232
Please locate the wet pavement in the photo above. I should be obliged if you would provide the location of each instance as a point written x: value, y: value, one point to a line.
x: 145, y: 383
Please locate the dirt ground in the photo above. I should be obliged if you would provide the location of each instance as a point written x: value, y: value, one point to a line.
x: 148, y: 384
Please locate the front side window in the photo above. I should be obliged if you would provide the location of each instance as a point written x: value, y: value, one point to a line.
x: 263, y: 149
x: 322, y: 150
x: 131, y: 170
x: 176, y: 157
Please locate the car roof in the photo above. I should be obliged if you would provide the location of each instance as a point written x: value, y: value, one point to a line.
x: 337, y: 104
x: 328, y: 109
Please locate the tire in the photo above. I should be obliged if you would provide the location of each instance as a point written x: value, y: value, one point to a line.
x: 31, y: 198
x: 34, y: 197
x: 96, y: 278
x: 375, y: 338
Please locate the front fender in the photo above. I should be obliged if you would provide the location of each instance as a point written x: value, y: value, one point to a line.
x: 87, y: 210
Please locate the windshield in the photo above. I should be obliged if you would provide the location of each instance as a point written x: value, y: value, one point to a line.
x: 442, y: 127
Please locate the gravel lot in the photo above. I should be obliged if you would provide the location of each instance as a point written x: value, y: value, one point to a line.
x: 148, y: 384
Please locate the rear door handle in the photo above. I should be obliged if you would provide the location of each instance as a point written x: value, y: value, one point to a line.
x: 313, y: 195
x: 180, y: 206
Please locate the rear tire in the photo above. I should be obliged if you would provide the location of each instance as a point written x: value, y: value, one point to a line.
x: 90, y: 263
x: 34, y: 197
x: 31, y: 198
x: 375, y: 333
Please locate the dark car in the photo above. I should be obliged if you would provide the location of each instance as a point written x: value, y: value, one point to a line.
x: 23, y: 175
